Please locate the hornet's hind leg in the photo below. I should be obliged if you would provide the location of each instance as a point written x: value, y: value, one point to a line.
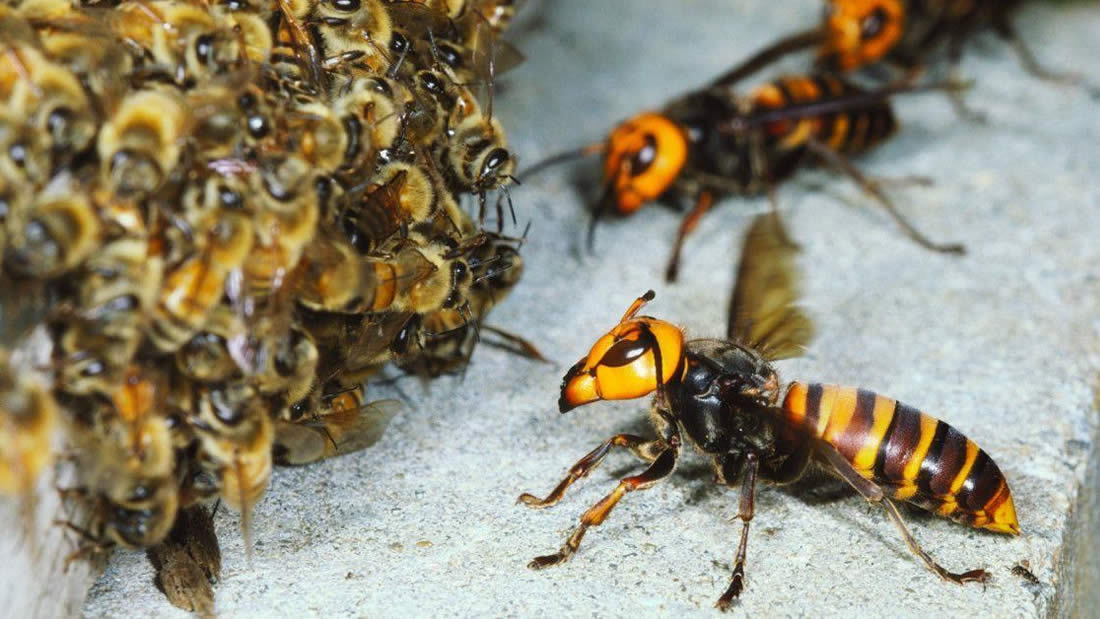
x: 873, y: 493
x: 842, y: 163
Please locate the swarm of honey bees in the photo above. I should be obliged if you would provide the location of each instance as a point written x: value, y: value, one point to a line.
x: 218, y: 220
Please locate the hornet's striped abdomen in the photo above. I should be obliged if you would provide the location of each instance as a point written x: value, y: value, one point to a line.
x: 850, y: 131
x: 912, y: 456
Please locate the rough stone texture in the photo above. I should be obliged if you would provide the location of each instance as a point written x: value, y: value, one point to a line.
x: 1004, y: 344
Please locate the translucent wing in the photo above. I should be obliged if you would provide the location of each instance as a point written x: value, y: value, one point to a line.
x: 763, y: 312
x: 334, y: 434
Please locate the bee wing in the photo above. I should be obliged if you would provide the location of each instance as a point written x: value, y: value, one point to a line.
x: 763, y: 312
x: 336, y: 434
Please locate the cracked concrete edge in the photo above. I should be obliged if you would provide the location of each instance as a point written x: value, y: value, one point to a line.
x: 1079, y: 573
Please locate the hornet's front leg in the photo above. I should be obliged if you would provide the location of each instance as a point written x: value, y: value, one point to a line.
x: 661, y: 468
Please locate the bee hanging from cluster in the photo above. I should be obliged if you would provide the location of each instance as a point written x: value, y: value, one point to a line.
x: 237, y: 213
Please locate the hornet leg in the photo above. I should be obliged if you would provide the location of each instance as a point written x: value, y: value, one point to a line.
x: 639, y: 446
x: 873, y: 493
x: 687, y: 226
x: 844, y: 165
x: 661, y: 468
x: 744, y: 512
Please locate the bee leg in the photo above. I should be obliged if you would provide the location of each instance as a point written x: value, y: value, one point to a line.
x: 744, y: 512
x: 873, y: 493
x: 639, y: 446
x: 702, y: 204
x: 844, y: 165
x: 661, y: 468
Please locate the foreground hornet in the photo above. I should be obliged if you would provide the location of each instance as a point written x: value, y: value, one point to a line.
x: 724, y: 397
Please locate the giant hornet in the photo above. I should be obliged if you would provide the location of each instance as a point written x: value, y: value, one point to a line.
x: 710, y: 143
x: 899, y: 33
x: 723, y: 397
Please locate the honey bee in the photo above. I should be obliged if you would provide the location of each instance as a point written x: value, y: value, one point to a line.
x: 343, y: 424
x: 337, y: 279
x: 113, y: 293
x: 235, y: 434
x: 128, y: 466
x: 140, y: 144
x: 192, y: 288
x: 28, y: 420
x: 83, y: 44
x: 206, y: 357
x: 447, y: 336
x: 399, y: 195
x: 54, y: 234
x: 710, y: 143
x: 285, y: 221
x: 281, y: 358
x: 355, y: 32
x: 183, y: 42
x: 723, y: 397
x: 49, y: 102
x: 478, y: 158
x: 367, y: 109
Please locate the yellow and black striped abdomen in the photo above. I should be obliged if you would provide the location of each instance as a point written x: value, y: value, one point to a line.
x: 911, y: 455
x: 851, y: 131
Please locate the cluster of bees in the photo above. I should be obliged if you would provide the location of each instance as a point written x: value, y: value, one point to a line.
x: 218, y: 220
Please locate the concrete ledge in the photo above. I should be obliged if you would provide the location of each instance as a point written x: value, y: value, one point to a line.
x: 1004, y: 344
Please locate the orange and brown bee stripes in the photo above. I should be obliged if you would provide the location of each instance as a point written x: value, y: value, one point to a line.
x: 913, y: 456
x: 851, y: 131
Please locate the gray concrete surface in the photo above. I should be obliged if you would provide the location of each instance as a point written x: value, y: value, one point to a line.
x: 1004, y: 344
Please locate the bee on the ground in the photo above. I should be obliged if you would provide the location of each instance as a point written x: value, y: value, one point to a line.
x: 55, y: 231
x: 140, y: 144
x: 342, y: 423
x: 710, y: 143
x: 446, y: 337
x: 724, y: 397
x: 416, y: 278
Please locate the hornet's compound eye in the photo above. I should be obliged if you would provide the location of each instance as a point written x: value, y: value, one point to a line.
x: 622, y: 365
x: 644, y: 157
x: 860, y: 32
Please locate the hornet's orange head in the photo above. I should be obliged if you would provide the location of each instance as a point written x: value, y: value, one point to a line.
x: 644, y: 156
x: 623, y: 364
x: 860, y: 32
